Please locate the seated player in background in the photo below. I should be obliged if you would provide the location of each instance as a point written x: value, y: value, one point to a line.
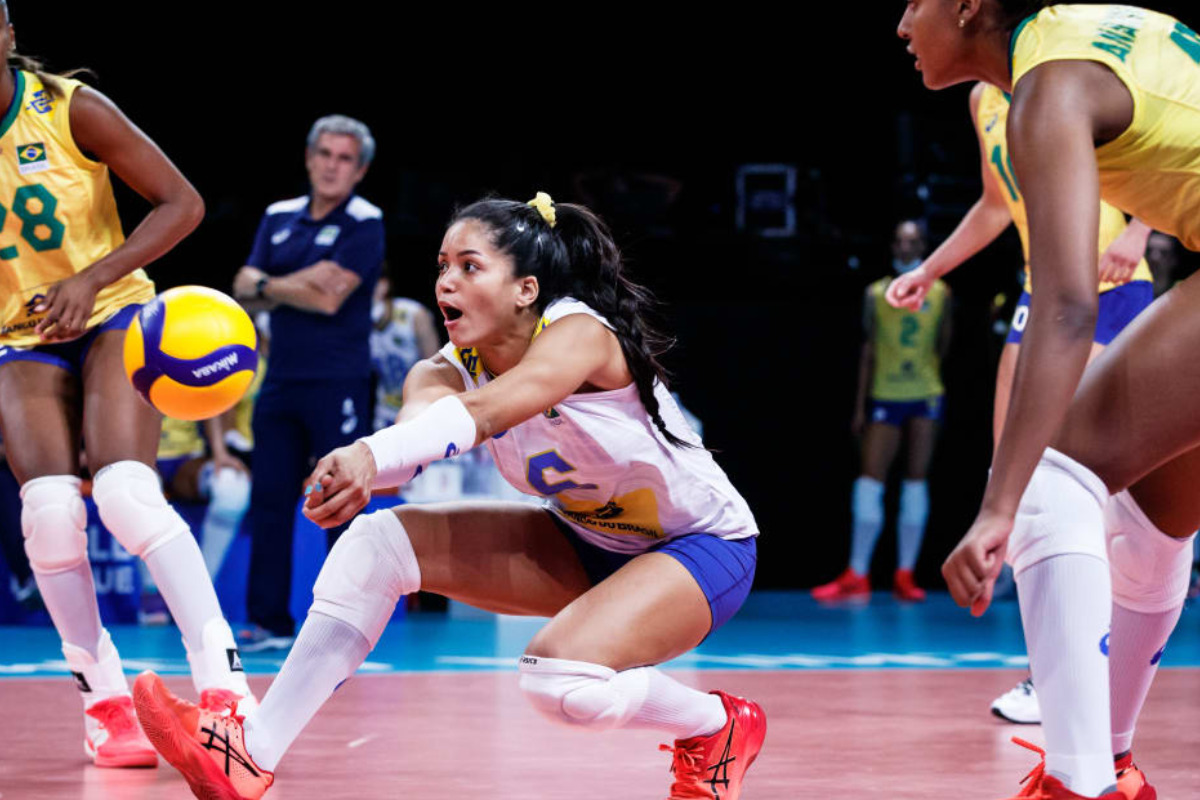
x: 642, y: 549
x: 899, y: 398
x: 1123, y: 282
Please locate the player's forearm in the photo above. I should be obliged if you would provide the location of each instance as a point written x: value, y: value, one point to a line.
x: 163, y: 228
x: 979, y: 228
x: 300, y: 294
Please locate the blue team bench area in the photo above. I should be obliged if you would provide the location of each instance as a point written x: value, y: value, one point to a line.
x: 119, y: 583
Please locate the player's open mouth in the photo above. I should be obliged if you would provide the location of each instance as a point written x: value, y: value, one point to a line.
x: 451, y: 313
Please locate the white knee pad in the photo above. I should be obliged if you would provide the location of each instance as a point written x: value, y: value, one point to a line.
x: 582, y: 694
x: 130, y: 500
x: 229, y: 493
x: 1150, y: 570
x: 1062, y: 511
x: 866, y: 500
x: 54, y: 522
x: 368, y: 570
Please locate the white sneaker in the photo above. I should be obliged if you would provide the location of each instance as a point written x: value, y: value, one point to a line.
x: 1019, y: 704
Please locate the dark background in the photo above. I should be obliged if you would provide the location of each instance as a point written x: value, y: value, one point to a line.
x: 561, y: 97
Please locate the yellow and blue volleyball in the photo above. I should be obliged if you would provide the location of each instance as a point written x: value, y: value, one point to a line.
x: 191, y: 352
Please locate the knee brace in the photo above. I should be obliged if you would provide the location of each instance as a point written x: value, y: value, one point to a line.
x: 582, y: 694
x: 229, y: 494
x: 130, y: 500
x: 1061, y: 512
x: 1150, y: 570
x: 368, y: 570
x: 54, y: 523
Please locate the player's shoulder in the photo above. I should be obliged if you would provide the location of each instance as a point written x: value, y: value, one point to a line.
x: 361, y: 210
x: 444, y: 367
x: 290, y: 206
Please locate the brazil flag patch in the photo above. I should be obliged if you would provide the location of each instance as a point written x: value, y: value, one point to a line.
x: 32, y: 158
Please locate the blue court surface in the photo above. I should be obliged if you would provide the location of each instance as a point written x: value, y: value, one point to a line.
x: 774, y: 631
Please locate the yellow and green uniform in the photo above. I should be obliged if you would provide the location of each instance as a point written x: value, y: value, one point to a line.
x: 907, y: 365
x: 1152, y: 170
x: 991, y: 122
x: 180, y: 439
x: 57, y: 212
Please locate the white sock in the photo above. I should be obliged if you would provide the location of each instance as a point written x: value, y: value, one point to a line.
x: 866, y: 507
x: 70, y: 598
x: 671, y: 706
x: 910, y: 524
x: 326, y: 652
x: 1135, y: 647
x: 1066, y: 608
x: 229, y: 498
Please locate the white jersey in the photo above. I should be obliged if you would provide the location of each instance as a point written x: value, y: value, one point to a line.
x: 394, y: 351
x: 604, y: 467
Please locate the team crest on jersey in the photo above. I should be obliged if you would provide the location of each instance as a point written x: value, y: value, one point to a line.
x: 469, y: 359
x: 33, y: 303
x: 991, y: 123
x: 327, y: 235
x: 32, y: 158
x: 41, y: 102
x: 541, y: 326
x: 280, y: 236
x: 552, y: 414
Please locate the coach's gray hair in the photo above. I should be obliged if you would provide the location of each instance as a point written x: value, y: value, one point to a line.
x: 346, y: 126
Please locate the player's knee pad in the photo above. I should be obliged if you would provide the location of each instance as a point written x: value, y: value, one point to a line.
x: 914, y: 503
x: 1061, y: 512
x: 368, y: 570
x: 582, y: 694
x: 229, y: 493
x: 54, y: 522
x: 130, y: 500
x: 867, y: 500
x: 1150, y: 570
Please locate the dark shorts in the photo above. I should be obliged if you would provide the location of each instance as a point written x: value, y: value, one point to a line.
x: 70, y: 355
x: 724, y: 568
x: 1117, y: 309
x: 898, y: 412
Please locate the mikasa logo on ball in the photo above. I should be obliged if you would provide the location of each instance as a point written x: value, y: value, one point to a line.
x: 223, y: 365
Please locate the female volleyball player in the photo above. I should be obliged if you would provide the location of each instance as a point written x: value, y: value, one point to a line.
x: 1124, y: 285
x: 643, y: 548
x: 71, y: 285
x: 1105, y: 102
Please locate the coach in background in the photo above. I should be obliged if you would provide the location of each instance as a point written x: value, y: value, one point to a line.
x: 314, y: 263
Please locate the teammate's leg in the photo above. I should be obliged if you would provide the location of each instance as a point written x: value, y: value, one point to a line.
x: 914, y: 500
x: 122, y: 434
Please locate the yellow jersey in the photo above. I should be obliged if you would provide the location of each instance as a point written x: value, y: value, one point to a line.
x: 180, y: 439
x: 991, y: 123
x: 907, y: 364
x: 1152, y: 170
x: 57, y: 212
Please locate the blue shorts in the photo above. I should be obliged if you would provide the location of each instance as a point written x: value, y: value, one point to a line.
x: 898, y: 412
x: 1118, y: 307
x: 724, y: 568
x: 70, y: 355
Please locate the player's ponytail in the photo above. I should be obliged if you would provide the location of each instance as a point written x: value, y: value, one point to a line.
x: 29, y: 64
x: 577, y: 257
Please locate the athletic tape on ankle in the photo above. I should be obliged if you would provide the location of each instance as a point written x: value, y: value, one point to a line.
x: 1150, y: 570
x: 443, y: 430
x: 1061, y: 512
x: 368, y: 570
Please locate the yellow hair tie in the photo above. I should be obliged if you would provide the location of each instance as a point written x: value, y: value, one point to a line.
x: 545, y: 207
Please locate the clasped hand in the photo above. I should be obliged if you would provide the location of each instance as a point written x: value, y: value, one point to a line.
x: 340, y: 485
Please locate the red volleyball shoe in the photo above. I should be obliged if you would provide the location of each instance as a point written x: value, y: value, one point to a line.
x: 1132, y: 781
x: 905, y: 588
x: 208, y: 746
x: 1040, y: 786
x: 712, y: 767
x: 113, y: 736
x: 849, y: 586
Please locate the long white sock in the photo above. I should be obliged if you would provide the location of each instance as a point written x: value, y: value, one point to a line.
x: 910, y: 524
x: 1135, y: 647
x: 70, y: 598
x: 326, y: 652
x: 671, y: 706
x: 229, y: 498
x: 866, y: 506
x: 1066, y: 608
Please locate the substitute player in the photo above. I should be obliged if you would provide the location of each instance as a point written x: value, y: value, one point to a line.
x: 900, y: 370
x: 642, y: 549
x: 1106, y: 101
x: 71, y: 285
x: 1124, y: 284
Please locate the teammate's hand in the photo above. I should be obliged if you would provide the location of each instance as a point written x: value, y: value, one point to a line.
x: 226, y: 461
x: 972, y: 568
x: 340, y: 486
x: 1121, y: 257
x: 68, y: 307
x: 909, y: 290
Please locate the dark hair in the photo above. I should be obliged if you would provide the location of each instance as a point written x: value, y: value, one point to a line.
x: 1013, y: 11
x: 578, y: 258
x: 28, y: 64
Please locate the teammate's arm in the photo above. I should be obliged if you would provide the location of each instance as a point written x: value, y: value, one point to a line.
x: 321, y: 288
x: 1121, y: 257
x: 985, y: 221
x: 1060, y: 110
x: 427, y: 338
x: 104, y: 134
x: 866, y: 364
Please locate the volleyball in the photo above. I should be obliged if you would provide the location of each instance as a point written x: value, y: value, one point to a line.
x: 191, y: 352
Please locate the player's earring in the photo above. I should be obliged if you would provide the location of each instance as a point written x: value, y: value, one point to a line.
x: 962, y: 23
